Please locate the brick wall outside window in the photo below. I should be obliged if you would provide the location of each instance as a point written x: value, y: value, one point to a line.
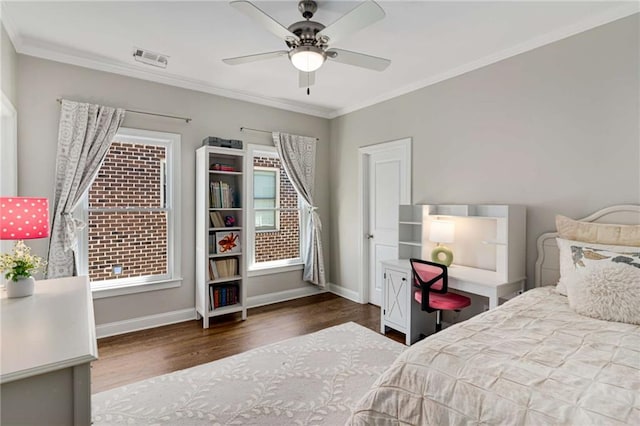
x: 284, y: 243
x: 128, y: 178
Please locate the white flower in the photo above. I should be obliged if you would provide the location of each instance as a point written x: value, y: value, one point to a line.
x: 20, y: 264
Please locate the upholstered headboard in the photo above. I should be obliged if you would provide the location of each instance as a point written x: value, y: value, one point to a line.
x: 547, y: 269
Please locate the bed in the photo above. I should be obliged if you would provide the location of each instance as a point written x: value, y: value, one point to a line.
x: 531, y: 361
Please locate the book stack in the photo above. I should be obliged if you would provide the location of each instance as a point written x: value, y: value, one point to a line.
x: 223, y: 268
x: 223, y: 295
x: 221, y: 195
x: 216, y: 220
x: 223, y: 167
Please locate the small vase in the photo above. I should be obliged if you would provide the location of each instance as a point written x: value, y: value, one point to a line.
x: 21, y: 288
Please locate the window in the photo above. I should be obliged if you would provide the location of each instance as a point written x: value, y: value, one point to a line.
x: 132, y: 217
x: 266, y: 186
x: 274, y: 214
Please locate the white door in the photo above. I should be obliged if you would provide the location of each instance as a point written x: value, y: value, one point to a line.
x: 388, y: 186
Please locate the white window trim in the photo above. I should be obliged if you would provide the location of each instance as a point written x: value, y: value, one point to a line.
x: 118, y: 287
x: 163, y: 178
x: 276, y: 170
x: 275, y: 269
x: 278, y: 266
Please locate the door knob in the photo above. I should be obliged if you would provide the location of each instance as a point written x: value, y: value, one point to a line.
x: 369, y: 236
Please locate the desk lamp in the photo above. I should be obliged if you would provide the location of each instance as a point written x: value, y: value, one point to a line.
x: 442, y: 231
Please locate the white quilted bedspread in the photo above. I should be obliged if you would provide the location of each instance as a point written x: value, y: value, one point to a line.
x: 532, y: 361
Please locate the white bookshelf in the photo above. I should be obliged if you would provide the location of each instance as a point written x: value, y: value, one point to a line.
x: 410, y: 235
x: 229, y: 187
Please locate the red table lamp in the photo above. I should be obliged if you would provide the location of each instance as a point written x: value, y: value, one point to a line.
x: 24, y: 218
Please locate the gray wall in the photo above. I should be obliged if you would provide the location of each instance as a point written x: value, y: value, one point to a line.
x: 42, y: 81
x: 9, y: 68
x: 555, y: 129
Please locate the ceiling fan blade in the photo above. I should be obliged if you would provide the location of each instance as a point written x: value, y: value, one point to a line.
x: 358, y: 59
x: 265, y: 20
x: 253, y: 58
x: 365, y: 14
x: 306, y: 79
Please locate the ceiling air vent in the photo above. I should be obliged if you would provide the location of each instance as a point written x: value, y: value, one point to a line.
x: 150, y: 58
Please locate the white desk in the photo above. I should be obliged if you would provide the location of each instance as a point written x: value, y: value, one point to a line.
x: 401, y: 313
x: 48, y: 342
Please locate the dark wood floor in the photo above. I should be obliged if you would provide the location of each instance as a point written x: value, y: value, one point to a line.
x: 136, y: 356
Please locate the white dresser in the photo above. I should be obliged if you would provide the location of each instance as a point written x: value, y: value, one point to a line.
x: 48, y: 342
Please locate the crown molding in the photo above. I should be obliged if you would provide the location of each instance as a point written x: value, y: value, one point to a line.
x: 57, y: 53
x: 548, y: 38
x: 52, y: 52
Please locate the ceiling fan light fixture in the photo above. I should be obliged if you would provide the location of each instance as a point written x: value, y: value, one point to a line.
x: 307, y: 58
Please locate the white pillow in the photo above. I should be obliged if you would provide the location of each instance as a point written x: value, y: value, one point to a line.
x: 572, y: 256
x: 607, y: 291
x: 598, y: 233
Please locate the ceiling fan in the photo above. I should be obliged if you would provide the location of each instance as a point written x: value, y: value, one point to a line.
x: 308, y: 41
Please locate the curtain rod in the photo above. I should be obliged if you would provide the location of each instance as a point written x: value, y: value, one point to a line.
x: 186, y: 119
x: 242, y: 129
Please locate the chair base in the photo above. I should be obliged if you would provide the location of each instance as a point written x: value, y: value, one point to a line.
x: 438, y: 321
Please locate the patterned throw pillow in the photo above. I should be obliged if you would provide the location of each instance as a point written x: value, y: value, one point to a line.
x: 575, y: 254
x: 583, y: 255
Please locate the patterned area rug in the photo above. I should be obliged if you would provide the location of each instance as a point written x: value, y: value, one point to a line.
x: 307, y: 380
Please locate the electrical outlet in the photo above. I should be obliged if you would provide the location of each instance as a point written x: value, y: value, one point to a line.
x: 116, y: 269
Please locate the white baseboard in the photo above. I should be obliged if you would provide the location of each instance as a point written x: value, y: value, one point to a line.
x: 352, y: 295
x: 282, y: 296
x: 143, y: 323
x: 157, y: 320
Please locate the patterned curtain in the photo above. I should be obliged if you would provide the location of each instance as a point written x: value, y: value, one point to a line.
x: 298, y: 157
x: 84, y: 136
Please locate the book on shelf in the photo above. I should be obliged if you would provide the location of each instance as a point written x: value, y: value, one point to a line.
x: 221, y: 195
x: 217, y: 221
x: 212, y: 243
x: 211, y: 296
x: 223, y: 268
x: 224, y: 295
x: 222, y: 167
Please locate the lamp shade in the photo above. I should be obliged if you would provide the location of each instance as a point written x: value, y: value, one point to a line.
x: 307, y: 58
x: 442, y: 231
x: 24, y: 218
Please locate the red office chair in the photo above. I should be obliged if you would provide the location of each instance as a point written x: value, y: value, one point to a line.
x: 431, y: 280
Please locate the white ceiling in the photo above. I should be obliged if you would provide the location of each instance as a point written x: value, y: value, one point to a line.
x: 426, y: 41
